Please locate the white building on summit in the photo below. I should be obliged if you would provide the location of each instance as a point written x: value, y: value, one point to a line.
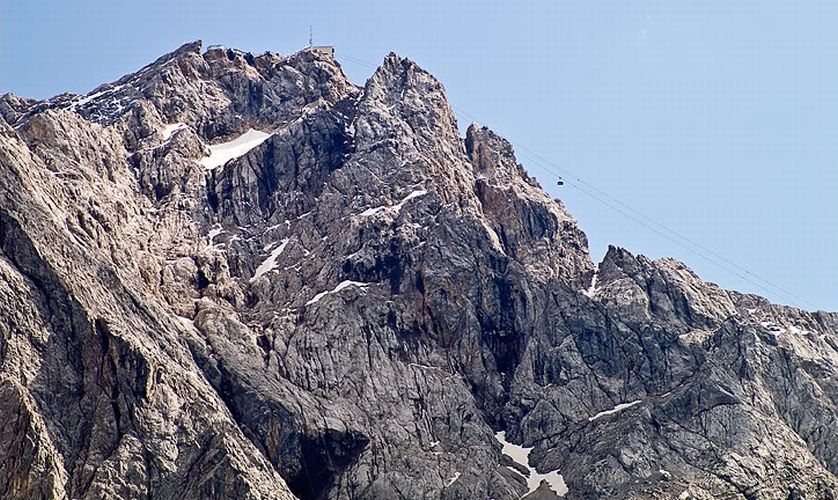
x: 324, y: 50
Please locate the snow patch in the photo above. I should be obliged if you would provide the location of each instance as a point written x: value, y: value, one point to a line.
x: 771, y: 326
x: 799, y: 331
x: 90, y: 97
x: 169, y: 130
x: 521, y: 456
x: 395, y: 208
x: 269, y: 264
x: 414, y: 194
x: 341, y: 286
x: 287, y: 223
x: 214, y: 233
x: 620, y: 407
x: 372, y: 211
x: 493, y: 237
x: 95, y: 95
x: 453, y: 479
x: 592, y: 289
x: 226, y: 151
x: 188, y: 323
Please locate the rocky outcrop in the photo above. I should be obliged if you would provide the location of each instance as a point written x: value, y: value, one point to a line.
x: 360, y: 303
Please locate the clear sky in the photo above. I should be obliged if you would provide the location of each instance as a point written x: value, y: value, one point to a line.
x: 717, y: 118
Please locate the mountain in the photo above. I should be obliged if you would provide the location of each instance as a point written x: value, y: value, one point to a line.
x: 231, y: 275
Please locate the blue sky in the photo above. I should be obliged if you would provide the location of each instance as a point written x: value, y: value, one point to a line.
x: 717, y: 118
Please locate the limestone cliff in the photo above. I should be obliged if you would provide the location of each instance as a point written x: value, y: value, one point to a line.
x: 231, y: 275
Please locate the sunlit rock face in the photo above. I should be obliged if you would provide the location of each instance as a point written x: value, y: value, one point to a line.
x: 231, y: 275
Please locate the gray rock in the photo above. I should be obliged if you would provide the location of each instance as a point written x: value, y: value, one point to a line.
x: 354, y: 307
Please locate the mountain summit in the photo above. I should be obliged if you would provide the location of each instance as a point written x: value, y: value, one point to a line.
x: 231, y: 275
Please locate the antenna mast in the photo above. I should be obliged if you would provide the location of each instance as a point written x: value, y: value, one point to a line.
x: 310, y: 36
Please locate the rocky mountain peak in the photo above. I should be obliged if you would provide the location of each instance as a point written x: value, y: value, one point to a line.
x: 493, y: 156
x: 230, y: 275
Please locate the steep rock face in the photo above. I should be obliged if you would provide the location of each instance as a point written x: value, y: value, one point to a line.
x: 534, y: 230
x: 102, y: 382
x: 355, y: 305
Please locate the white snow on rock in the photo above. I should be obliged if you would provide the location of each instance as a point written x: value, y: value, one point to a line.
x: 90, y: 97
x: 169, y: 130
x: 269, y: 264
x: 226, y: 151
x: 592, y: 289
x: 372, y: 211
x: 799, y: 331
x: 188, y: 323
x: 453, y: 479
x: 771, y: 326
x: 414, y: 194
x: 214, y: 232
x: 521, y: 456
x: 341, y: 286
x: 493, y: 237
x: 620, y: 407
x: 395, y: 208
x: 95, y: 95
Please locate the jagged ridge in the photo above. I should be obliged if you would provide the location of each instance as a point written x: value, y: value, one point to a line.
x: 353, y: 307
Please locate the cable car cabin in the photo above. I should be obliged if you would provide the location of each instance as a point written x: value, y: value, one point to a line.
x: 560, y: 182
